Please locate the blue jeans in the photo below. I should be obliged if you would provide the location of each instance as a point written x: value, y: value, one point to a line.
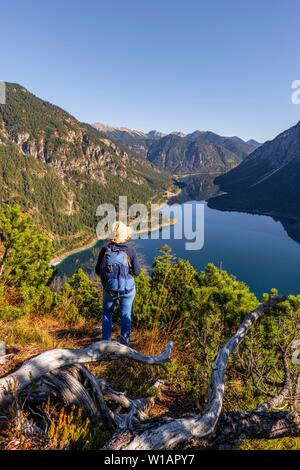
x: 108, y: 306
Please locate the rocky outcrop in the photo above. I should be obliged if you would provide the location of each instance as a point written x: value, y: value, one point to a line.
x: 135, y: 141
x: 177, y: 155
x: 263, y: 164
x: 60, y: 169
x: 54, y: 137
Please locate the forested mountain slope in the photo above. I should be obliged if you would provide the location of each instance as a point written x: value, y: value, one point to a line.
x: 180, y: 153
x: 60, y: 170
x: 267, y: 181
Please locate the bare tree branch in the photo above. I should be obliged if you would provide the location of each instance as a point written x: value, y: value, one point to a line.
x: 234, y: 427
x: 138, y: 408
x: 76, y: 383
x: 35, y: 368
x: 181, y: 431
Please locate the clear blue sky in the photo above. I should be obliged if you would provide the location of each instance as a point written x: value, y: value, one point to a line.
x: 223, y: 65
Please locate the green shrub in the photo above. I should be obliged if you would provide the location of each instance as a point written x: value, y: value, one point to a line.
x: 39, y: 300
x: 79, y: 299
x: 199, y: 311
x: 71, y: 430
x: 27, y: 251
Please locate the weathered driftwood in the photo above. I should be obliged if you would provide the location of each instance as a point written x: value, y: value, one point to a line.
x: 76, y: 385
x: 233, y: 427
x: 297, y: 393
x: 37, y: 367
x: 138, y: 409
x: 179, y: 432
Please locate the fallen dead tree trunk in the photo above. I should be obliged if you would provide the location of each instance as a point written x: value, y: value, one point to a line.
x: 37, y: 367
x: 180, y: 432
x: 61, y: 371
x: 232, y: 428
x: 76, y: 385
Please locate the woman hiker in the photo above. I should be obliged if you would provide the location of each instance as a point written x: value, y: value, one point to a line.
x: 117, y: 264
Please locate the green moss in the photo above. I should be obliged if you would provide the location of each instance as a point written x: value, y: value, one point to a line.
x: 285, y: 443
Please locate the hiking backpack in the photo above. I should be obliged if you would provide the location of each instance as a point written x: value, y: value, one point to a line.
x: 115, y: 275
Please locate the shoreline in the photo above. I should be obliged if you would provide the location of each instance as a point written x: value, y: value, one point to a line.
x: 56, y: 260
x: 59, y: 259
x: 275, y: 216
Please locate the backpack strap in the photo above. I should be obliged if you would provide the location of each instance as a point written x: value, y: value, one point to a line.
x: 119, y: 250
x: 128, y: 260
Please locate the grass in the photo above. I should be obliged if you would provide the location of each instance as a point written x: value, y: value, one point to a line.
x: 23, y: 332
x: 285, y: 443
x: 30, y: 335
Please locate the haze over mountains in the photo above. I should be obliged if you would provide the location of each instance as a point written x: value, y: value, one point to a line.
x: 268, y: 181
x: 180, y: 153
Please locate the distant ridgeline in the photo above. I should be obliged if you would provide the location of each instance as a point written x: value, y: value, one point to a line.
x: 59, y: 170
x: 179, y: 153
x: 268, y: 181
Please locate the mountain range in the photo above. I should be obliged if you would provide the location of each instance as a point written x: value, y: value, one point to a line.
x: 258, y: 178
x: 267, y: 181
x: 59, y: 169
x: 179, y: 153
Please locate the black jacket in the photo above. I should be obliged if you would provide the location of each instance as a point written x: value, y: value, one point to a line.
x: 135, y: 267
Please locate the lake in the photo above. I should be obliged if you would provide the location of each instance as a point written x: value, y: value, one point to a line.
x: 255, y: 248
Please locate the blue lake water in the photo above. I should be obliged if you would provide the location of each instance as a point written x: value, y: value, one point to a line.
x: 255, y: 248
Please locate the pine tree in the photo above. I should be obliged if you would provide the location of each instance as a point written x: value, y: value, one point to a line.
x: 26, y: 251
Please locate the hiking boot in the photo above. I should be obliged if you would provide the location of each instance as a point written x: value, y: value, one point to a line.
x: 124, y: 341
x: 96, y: 334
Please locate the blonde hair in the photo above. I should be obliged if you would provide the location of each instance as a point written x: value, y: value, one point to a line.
x: 120, y: 232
